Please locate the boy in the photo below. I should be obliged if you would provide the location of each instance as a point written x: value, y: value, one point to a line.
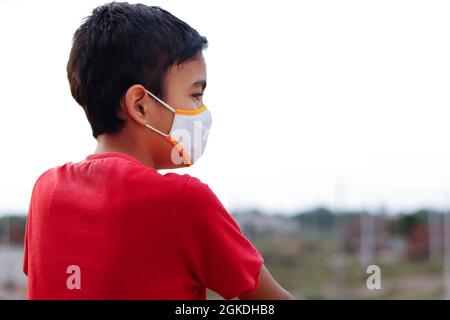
x: 111, y: 226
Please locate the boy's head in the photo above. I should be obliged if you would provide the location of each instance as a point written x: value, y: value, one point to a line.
x: 123, y: 58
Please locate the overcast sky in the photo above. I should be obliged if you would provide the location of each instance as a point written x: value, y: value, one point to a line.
x: 314, y: 102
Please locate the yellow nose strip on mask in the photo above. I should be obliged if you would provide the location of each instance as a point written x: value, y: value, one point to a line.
x: 191, y: 112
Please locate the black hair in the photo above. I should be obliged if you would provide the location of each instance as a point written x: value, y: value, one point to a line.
x: 122, y: 44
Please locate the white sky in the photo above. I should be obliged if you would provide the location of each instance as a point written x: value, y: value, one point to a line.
x: 309, y: 98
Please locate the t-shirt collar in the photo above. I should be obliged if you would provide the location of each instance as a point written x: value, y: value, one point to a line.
x: 102, y: 155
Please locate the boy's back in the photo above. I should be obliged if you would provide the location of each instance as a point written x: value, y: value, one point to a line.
x: 109, y: 227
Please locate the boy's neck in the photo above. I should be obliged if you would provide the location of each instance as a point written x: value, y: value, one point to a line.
x: 107, y: 143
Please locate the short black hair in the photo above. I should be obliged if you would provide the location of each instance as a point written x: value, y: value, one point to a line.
x: 122, y: 44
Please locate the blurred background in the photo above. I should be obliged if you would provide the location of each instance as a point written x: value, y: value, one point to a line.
x: 329, y: 143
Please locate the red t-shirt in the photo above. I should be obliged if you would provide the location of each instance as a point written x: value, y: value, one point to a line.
x: 109, y: 227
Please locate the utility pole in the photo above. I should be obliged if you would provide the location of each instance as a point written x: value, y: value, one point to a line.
x: 447, y: 251
x: 367, y: 239
x: 339, y: 261
x: 339, y: 209
x: 433, y: 236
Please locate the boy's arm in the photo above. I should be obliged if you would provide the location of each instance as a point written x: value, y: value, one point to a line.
x: 268, y: 289
x: 215, y: 251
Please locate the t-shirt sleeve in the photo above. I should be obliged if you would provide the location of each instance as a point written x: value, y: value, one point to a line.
x: 213, y: 247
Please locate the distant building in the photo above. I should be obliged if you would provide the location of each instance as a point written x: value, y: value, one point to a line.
x: 11, y: 260
x: 255, y: 223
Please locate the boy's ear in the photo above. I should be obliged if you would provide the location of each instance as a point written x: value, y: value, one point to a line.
x: 137, y: 104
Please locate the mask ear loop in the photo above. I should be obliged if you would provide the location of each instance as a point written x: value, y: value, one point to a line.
x: 160, y: 101
x: 167, y: 136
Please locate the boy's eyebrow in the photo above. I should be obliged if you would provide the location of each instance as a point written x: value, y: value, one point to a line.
x: 200, y: 83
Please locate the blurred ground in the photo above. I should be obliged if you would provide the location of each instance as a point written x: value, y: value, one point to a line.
x: 315, y: 256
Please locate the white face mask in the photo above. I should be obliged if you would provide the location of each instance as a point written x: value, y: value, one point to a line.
x: 188, y: 133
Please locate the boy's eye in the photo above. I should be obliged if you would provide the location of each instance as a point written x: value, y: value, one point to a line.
x: 197, y: 95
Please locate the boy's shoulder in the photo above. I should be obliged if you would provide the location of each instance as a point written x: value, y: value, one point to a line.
x: 44, y: 176
x: 190, y: 186
x: 190, y: 183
